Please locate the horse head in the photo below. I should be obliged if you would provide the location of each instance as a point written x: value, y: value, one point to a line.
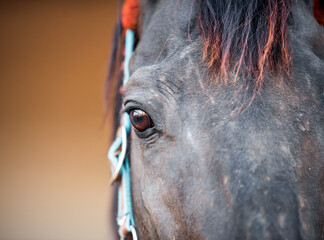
x: 226, y: 103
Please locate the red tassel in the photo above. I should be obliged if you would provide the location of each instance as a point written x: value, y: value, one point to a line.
x: 130, y: 12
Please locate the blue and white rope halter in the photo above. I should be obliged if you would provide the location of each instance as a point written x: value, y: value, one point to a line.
x: 120, y: 160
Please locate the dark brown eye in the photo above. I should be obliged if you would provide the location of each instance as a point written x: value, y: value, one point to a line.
x: 140, y: 120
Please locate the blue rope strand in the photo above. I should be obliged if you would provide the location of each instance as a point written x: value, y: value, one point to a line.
x: 129, y: 44
x: 125, y: 169
x: 113, y: 149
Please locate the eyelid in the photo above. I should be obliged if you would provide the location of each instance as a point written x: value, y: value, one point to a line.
x: 128, y: 106
x: 128, y: 109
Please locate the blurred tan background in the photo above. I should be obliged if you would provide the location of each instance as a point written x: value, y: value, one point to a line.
x: 53, y: 135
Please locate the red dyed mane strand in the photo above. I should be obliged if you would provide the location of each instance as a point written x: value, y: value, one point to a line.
x: 248, y: 37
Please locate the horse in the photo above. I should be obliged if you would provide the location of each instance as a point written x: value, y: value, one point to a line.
x: 226, y: 102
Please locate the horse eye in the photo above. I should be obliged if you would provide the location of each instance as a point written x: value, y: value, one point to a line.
x: 140, y: 120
